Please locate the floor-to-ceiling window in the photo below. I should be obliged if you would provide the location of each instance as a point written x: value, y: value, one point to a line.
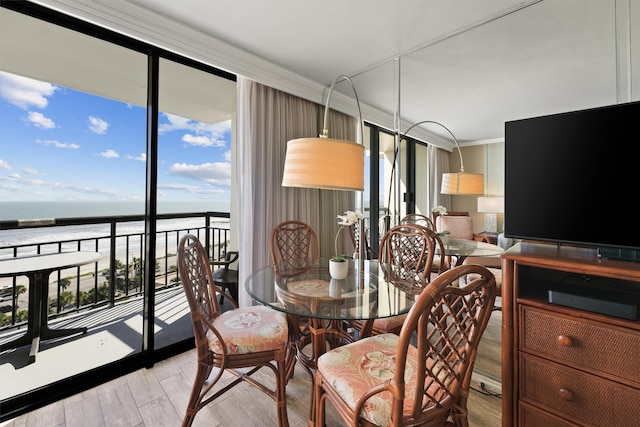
x: 402, y: 175
x: 194, y: 169
x: 74, y: 140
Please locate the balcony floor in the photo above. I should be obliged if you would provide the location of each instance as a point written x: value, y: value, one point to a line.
x: 113, y: 333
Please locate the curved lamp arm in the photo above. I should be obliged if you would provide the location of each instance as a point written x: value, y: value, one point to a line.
x: 325, y: 131
x: 325, y: 134
x: 445, y: 128
x: 455, y: 140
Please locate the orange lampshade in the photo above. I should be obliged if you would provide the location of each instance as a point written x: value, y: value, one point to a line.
x: 462, y: 183
x: 325, y: 163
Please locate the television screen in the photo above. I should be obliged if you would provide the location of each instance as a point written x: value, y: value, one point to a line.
x: 573, y: 177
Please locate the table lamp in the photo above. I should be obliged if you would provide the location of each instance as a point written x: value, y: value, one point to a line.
x: 491, y: 206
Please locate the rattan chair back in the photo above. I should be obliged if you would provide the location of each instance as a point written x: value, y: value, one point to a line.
x: 418, y: 219
x: 431, y: 361
x: 217, y: 346
x: 413, y: 248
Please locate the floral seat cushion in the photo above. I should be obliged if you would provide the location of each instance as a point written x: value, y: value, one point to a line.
x: 389, y: 323
x: 355, y: 368
x: 250, y: 330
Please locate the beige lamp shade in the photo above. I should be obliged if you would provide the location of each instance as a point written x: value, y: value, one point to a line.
x: 324, y: 163
x: 462, y: 183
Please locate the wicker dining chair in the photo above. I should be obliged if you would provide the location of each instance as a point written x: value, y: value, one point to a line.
x: 420, y: 377
x: 293, y: 240
x: 412, y: 248
x: 419, y: 219
x: 294, y: 247
x: 248, y: 337
x: 425, y: 221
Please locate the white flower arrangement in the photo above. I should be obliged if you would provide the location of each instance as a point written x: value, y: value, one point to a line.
x: 441, y: 210
x: 348, y: 219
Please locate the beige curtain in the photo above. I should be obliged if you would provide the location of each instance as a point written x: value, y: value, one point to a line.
x: 267, y: 119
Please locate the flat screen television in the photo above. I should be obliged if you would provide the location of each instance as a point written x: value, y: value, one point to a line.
x: 574, y: 178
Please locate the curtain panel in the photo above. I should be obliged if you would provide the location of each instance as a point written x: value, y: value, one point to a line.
x: 267, y: 119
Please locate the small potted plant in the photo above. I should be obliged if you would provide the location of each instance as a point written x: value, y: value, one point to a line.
x: 338, y: 265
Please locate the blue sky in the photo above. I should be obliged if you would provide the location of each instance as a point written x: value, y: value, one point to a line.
x: 58, y: 144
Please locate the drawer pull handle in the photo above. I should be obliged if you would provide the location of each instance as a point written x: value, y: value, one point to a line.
x: 566, y: 395
x: 565, y: 341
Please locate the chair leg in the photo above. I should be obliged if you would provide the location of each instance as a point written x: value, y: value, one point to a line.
x: 202, y: 374
x: 319, y: 402
x: 281, y: 393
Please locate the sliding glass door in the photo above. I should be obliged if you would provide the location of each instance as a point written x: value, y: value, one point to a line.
x: 83, y: 170
x: 195, y: 122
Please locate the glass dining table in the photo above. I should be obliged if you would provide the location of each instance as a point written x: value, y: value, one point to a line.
x: 305, y: 289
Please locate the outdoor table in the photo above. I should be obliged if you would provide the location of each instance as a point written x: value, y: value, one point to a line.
x: 38, y: 268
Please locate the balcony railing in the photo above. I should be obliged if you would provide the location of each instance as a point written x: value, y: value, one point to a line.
x: 118, y: 275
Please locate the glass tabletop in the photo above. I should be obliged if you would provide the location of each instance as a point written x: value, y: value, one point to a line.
x: 304, y: 287
x: 462, y: 247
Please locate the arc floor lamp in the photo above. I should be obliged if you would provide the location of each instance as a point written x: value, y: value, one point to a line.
x: 461, y: 183
x: 326, y: 163
x: 453, y: 183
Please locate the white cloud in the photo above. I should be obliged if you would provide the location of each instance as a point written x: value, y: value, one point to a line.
x: 4, y: 165
x: 218, y: 173
x: 141, y: 158
x: 97, y: 125
x: 23, y: 92
x: 31, y: 171
x: 109, y: 154
x: 201, y: 141
x: 55, y: 186
x: 58, y: 144
x: 40, y: 121
x: 198, y: 133
x: 175, y: 123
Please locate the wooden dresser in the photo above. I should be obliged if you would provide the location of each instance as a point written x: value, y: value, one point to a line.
x: 566, y: 366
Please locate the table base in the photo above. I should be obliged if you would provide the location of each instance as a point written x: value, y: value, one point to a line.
x: 319, y: 334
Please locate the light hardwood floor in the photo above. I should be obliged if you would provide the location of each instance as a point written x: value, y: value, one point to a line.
x: 157, y: 397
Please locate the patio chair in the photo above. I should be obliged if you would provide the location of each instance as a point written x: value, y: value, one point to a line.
x: 248, y: 337
x: 225, y: 277
x: 423, y: 375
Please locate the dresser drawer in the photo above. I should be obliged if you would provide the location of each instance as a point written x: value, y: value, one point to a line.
x: 611, y: 350
x: 583, y: 398
x: 531, y: 416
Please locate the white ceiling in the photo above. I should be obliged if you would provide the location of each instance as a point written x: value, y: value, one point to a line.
x: 471, y: 65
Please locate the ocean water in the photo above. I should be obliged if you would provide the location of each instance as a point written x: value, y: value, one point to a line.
x: 45, y: 210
